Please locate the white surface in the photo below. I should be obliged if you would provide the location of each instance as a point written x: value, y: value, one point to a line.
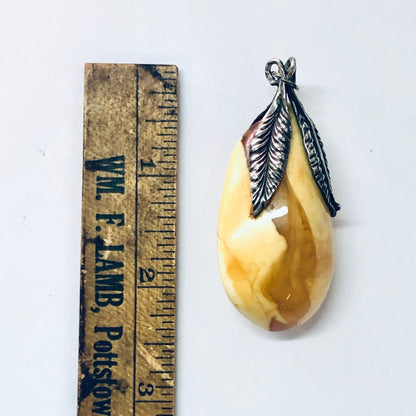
x: 356, y: 65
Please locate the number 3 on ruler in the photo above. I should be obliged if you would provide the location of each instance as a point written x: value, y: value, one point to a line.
x: 146, y: 275
x: 148, y: 390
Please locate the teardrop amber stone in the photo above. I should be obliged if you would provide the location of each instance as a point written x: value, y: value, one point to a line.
x: 276, y: 268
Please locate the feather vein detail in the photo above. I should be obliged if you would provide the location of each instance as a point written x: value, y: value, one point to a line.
x: 315, y: 151
x: 268, y: 154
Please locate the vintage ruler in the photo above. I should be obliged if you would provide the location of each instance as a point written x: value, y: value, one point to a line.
x: 128, y: 277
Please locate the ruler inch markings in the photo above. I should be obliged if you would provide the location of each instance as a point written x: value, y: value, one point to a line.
x: 130, y: 126
x: 152, y: 129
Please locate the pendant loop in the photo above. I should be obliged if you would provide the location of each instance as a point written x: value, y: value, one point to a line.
x: 285, y: 73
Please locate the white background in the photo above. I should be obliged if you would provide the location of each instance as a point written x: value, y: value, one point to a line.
x: 356, y: 68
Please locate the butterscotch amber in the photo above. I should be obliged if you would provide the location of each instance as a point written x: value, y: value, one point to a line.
x: 277, y: 268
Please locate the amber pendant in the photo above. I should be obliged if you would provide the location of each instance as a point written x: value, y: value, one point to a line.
x: 274, y: 230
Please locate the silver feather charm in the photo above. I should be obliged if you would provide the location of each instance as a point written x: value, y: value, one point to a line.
x: 315, y: 152
x: 267, y: 142
x: 268, y: 153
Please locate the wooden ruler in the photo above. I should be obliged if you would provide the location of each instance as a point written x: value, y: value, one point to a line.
x: 128, y: 280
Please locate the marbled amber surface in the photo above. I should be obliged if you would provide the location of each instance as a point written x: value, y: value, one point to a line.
x: 277, y: 268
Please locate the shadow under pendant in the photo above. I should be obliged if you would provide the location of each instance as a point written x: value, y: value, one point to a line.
x: 275, y: 244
